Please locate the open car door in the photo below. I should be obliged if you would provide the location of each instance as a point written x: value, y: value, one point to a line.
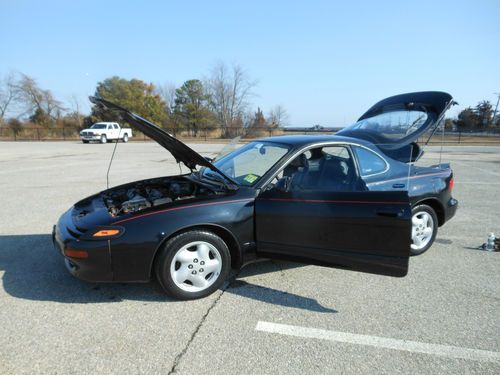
x: 335, y: 224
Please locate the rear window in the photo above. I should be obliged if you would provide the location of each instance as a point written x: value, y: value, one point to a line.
x: 393, y: 125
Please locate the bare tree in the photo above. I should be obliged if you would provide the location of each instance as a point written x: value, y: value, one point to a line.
x: 9, y: 94
x: 230, y: 90
x: 278, y: 117
x: 75, y: 113
x: 36, y: 100
x: 167, y: 93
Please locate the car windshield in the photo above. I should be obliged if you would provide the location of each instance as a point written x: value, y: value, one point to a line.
x: 249, y: 163
x: 98, y: 126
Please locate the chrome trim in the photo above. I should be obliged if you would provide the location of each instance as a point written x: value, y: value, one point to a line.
x: 322, y: 144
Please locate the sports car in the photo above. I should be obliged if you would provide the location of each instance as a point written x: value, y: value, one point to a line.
x: 354, y: 200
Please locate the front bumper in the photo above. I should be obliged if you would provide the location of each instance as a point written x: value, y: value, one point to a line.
x: 96, y: 266
x: 90, y: 137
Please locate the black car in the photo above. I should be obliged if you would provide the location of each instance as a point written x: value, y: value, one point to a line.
x: 354, y: 201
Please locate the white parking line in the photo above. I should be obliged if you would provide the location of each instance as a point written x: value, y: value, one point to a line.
x: 380, y: 342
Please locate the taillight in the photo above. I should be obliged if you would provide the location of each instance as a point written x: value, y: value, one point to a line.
x: 451, y: 184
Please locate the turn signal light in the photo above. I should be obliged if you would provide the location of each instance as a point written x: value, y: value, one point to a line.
x: 76, y: 253
x: 106, y: 233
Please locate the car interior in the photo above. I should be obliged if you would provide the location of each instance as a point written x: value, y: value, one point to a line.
x: 324, y: 169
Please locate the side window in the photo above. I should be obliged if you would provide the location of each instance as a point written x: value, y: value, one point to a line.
x: 369, y: 162
x: 338, y: 172
x: 325, y: 169
x: 115, y: 126
x: 110, y: 127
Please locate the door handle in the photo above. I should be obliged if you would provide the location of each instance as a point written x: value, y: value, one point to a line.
x: 388, y: 212
x: 398, y: 186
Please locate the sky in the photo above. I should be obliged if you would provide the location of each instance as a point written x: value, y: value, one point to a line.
x: 326, y: 62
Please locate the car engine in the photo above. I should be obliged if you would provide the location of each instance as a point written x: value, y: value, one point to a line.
x: 149, y: 193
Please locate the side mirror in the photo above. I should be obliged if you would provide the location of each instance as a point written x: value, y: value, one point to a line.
x: 283, y: 184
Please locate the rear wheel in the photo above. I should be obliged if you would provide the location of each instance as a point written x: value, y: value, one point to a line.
x: 84, y: 141
x: 423, y: 230
x: 104, y: 139
x: 125, y: 138
x: 193, y: 265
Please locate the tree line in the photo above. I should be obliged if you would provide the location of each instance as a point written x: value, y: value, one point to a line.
x: 481, y: 117
x: 220, y: 101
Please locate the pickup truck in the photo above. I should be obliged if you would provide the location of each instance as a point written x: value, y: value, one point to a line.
x: 104, y: 132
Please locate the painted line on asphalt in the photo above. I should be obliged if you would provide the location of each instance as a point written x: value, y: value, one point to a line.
x: 380, y: 342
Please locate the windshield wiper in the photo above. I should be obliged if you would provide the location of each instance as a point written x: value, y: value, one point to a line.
x: 219, y: 177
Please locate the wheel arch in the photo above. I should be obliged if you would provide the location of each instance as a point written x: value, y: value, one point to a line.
x: 222, y: 232
x: 436, y: 205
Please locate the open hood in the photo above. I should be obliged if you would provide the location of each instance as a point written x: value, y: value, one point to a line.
x: 180, y: 151
x: 395, y: 124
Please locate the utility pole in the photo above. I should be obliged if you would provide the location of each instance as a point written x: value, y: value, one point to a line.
x: 496, y: 107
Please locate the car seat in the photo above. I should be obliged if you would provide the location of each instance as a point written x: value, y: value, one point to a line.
x: 296, y: 170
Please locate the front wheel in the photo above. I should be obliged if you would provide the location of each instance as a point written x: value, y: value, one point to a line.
x: 193, y: 265
x: 424, y: 227
x: 84, y: 141
x: 104, y: 139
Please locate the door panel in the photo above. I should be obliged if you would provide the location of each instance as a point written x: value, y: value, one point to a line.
x: 362, y: 231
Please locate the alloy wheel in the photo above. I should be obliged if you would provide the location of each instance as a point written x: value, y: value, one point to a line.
x: 422, y: 229
x: 196, y: 266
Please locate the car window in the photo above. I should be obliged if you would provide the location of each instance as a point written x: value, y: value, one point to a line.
x: 115, y: 126
x: 369, y: 162
x: 110, y: 127
x: 324, y: 169
x: 250, y: 162
x: 98, y: 126
x: 393, y: 126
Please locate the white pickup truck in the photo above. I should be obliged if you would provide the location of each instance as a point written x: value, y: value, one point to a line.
x: 105, y: 131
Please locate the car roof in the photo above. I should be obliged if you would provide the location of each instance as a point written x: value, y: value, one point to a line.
x: 309, y: 139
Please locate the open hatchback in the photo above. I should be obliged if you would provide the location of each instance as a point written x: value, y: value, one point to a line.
x: 397, y: 123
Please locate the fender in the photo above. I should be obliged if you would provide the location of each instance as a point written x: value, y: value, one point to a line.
x: 223, y: 232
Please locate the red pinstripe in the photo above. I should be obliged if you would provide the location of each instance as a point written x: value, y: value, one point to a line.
x: 182, y: 208
x: 411, y: 177
x: 328, y: 201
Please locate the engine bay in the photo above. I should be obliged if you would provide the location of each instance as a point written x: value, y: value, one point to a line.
x: 150, y: 193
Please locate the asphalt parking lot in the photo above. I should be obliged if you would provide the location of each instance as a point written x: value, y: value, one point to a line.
x: 273, y: 317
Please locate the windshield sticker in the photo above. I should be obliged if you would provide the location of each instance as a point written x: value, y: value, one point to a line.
x: 250, y: 178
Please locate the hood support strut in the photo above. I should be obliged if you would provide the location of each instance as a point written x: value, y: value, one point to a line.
x: 180, y: 151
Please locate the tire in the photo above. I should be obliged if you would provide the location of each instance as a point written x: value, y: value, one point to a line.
x: 85, y: 141
x: 424, y: 229
x: 104, y: 139
x: 125, y: 138
x: 193, y: 265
